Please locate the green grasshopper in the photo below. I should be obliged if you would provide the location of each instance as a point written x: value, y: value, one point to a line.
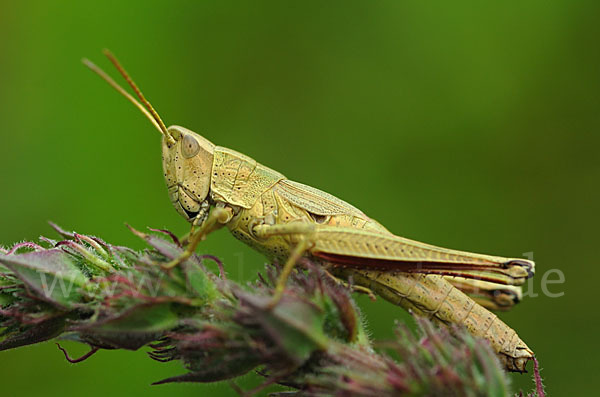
x: 212, y: 186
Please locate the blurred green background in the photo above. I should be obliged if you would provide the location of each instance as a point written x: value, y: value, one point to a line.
x: 467, y: 125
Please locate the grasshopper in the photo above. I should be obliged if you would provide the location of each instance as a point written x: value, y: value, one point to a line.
x: 213, y: 186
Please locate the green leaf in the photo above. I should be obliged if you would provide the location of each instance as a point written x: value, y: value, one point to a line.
x: 133, y: 328
x: 51, y: 275
x: 199, y: 283
x: 295, y: 325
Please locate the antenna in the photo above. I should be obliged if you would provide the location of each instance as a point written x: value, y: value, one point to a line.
x: 148, y: 111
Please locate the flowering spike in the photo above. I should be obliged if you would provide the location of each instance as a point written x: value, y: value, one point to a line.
x: 313, y: 341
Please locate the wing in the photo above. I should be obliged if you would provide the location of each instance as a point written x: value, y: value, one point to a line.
x: 372, y: 250
x: 378, y: 249
x: 314, y: 200
x: 492, y: 296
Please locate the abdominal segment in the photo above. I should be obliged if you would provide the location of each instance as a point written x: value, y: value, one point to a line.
x: 434, y: 297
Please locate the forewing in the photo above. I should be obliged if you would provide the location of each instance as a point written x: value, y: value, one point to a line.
x: 314, y: 200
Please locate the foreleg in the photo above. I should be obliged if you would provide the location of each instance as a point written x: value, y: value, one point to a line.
x: 215, y: 220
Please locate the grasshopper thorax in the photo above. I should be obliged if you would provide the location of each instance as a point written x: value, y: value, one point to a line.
x: 187, y: 167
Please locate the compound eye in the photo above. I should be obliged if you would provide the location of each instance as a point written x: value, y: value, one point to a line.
x: 189, y: 146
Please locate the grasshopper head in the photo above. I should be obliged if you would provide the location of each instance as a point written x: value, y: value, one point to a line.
x: 187, y: 167
x: 187, y: 157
